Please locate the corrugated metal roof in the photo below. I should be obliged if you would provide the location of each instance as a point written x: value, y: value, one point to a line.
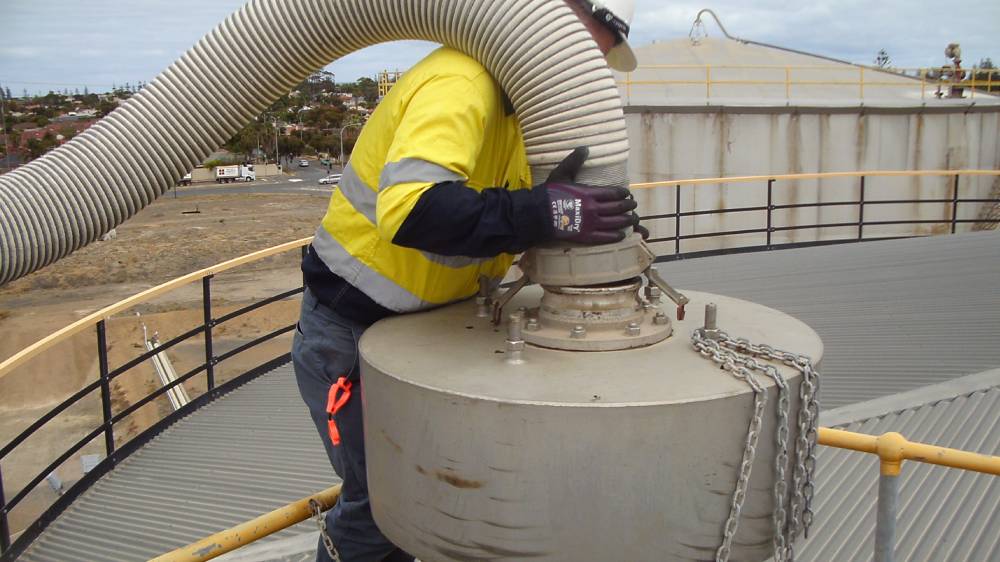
x: 894, y: 315
x: 247, y: 453
x: 944, y: 514
x: 735, y: 63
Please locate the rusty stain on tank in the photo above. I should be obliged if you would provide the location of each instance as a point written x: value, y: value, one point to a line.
x: 449, y: 477
x: 794, y: 167
x: 723, y: 149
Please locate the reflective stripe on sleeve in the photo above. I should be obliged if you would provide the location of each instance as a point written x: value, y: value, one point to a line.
x: 357, y: 193
x: 380, y: 288
x: 453, y: 261
x: 413, y: 170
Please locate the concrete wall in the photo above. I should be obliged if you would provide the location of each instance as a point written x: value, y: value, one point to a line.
x: 680, y: 143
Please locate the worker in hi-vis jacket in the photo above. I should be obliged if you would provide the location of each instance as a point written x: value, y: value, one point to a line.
x: 437, y: 193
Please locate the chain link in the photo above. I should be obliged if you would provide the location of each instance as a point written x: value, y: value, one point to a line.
x: 738, y: 357
x: 317, y: 511
x: 711, y: 350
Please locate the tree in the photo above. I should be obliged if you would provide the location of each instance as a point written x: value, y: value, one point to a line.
x: 86, y: 92
x: 986, y: 76
x: 8, y: 93
x: 882, y: 59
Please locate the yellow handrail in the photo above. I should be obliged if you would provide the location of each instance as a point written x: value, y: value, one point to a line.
x: 246, y: 533
x: 816, y: 175
x: 91, y: 319
x: 892, y: 449
x: 943, y: 76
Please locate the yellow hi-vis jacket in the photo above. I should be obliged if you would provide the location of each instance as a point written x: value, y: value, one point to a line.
x: 445, y: 120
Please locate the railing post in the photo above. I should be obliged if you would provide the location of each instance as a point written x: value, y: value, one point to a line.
x: 770, y: 207
x: 4, y: 525
x: 954, y: 204
x: 677, y: 221
x: 102, y: 362
x: 305, y: 250
x: 861, y: 211
x: 206, y: 301
x: 885, y: 522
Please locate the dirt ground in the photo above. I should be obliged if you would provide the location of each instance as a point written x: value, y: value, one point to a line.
x: 169, y: 238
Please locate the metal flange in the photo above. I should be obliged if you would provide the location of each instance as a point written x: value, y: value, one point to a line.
x: 570, y: 265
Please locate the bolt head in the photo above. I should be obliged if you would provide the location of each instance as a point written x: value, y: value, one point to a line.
x: 633, y: 329
x: 578, y: 332
x: 532, y: 325
x: 660, y: 319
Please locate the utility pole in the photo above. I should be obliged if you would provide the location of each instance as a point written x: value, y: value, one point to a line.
x: 342, y: 140
x: 3, y: 128
x: 276, y: 140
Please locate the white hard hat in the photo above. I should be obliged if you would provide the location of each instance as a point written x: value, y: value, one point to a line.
x: 616, y: 15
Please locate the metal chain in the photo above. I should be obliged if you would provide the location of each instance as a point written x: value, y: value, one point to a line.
x: 739, y: 353
x: 317, y: 511
x: 808, y: 422
x: 711, y: 350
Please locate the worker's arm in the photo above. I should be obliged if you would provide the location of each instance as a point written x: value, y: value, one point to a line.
x: 423, y: 201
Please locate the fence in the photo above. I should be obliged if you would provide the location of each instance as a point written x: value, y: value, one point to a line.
x: 97, y: 322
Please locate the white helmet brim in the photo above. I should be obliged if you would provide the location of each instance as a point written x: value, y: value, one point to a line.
x: 621, y: 57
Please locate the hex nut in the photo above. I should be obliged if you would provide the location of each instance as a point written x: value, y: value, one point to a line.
x: 578, y: 332
x: 532, y: 325
x: 633, y: 329
x: 660, y: 318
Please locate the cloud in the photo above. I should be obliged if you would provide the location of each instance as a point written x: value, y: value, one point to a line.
x: 20, y: 52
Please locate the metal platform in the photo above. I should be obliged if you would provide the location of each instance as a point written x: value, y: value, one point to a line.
x: 894, y: 315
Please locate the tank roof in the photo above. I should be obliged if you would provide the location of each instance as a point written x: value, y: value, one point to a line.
x: 748, y: 73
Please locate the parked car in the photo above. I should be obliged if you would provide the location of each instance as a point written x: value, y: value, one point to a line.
x: 303, y: 163
x: 186, y: 180
x: 326, y: 162
x: 332, y: 179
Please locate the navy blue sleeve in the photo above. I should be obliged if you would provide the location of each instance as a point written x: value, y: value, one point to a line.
x: 453, y: 219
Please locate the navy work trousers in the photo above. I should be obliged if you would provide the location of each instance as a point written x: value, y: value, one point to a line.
x: 325, y: 348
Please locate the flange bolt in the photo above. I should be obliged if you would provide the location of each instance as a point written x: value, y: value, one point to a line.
x: 661, y: 319
x: 578, y: 332
x: 515, y: 343
x: 711, y: 327
x: 632, y: 329
x: 532, y: 325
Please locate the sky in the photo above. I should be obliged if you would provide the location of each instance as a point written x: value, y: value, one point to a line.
x: 57, y: 44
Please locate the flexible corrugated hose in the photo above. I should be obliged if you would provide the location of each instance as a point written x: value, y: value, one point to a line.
x: 538, y: 51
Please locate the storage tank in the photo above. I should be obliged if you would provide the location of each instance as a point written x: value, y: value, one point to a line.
x: 718, y: 107
x: 585, y: 426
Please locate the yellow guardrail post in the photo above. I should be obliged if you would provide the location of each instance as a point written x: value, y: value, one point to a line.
x: 892, y: 449
x: 246, y: 533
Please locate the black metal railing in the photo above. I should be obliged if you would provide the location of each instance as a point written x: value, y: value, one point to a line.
x: 107, y: 375
x: 109, y: 418
x: 769, y: 229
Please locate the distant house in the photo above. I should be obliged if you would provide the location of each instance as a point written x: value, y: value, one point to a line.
x: 57, y: 130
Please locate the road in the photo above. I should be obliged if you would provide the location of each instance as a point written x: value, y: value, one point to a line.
x: 298, y: 180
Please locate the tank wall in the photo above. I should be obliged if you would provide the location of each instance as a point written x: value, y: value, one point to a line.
x: 715, y: 144
x: 478, y: 479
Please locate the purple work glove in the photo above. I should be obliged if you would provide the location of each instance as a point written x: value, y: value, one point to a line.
x: 585, y: 214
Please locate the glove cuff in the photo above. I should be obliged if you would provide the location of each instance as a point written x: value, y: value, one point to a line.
x: 531, y: 215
